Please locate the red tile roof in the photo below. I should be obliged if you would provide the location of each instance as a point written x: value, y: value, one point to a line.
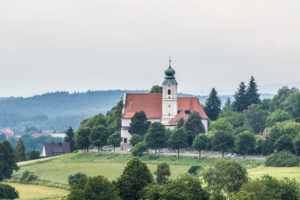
x: 150, y: 103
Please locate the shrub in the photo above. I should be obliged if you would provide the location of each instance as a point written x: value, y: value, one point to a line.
x: 282, y: 159
x: 8, y: 192
x: 193, y: 170
x: 34, y: 154
x: 28, y: 177
x: 72, y: 179
x: 139, y: 149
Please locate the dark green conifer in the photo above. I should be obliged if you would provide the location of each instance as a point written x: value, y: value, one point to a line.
x: 213, y: 105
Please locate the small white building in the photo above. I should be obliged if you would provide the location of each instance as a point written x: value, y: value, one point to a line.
x: 163, y: 107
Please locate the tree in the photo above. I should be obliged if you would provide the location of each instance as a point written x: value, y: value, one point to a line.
x: 134, y: 178
x: 278, y: 116
x: 20, y: 151
x: 245, y: 142
x: 98, y: 136
x: 82, y: 140
x: 240, y: 102
x: 96, y: 188
x: 297, y: 145
x: 155, y: 137
x: 139, y: 124
x: 284, y: 143
x: 35, y: 154
x: 2, y: 137
x: 222, y: 141
x: 74, y: 179
x: 252, y: 92
x: 7, y: 160
x: 70, y: 138
x: 226, y: 176
x: 221, y: 125
x: 156, y: 89
x: 162, y: 173
x: 139, y: 149
x: 292, y: 104
x: 8, y: 192
x: 213, y: 105
x: 113, y: 118
x: 193, y: 127
x: 135, y: 138
x: 115, y: 140
x: 282, y: 95
x: 180, y: 123
x: 200, y: 143
x: 227, y: 105
x: 178, y: 140
x: 255, y: 118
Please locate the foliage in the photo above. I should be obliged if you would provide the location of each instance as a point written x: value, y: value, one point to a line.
x: 240, y: 102
x: 200, y: 143
x: 35, y: 154
x: 113, y: 118
x: 227, y: 105
x: 115, y: 139
x: 28, y: 177
x: 156, y: 89
x: 156, y: 137
x: 220, y: 125
x: 222, y: 141
x: 297, y: 145
x: 20, y: 151
x: 32, y: 143
x: 282, y: 95
x: 185, y: 187
x: 139, y: 124
x: 139, y: 149
x: 226, y: 176
x: 70, y: 138
x: 278, y: 116
x: 178, y: 139
x: 8, y: 192
x: 282, y: 159
x: 7, y: 160
x: 193, y: 170
x: 134, y: 178
x: 252, y: 92
x: 162, y: 173
x: 245, y: 142
x: 236, y: 119
x: 180, y: 123
x: 135, y: 138
x: 74, y: 179
x: 98, y: 136
x: 213, y: 105
x: 193, y: 127
x: 284, y: 142
x: 292, y: 104
x: 255, y: 118
x: 82, y: 139
x: 96, y: 188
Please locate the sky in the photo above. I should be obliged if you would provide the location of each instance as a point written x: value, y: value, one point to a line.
x: 79, y: 45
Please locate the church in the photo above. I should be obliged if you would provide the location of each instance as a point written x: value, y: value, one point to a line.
x: 164, y: 107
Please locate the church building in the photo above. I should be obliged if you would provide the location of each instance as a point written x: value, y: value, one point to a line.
x: 163, y: 107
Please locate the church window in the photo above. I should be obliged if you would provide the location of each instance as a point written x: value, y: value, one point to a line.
x: 125, y: 140
x: 169, y: 92
x: 169, y: 106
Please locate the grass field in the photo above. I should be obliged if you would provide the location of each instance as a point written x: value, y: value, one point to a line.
x: 38, y: 192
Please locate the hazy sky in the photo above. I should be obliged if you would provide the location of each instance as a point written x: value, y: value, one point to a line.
x: 76, y: 45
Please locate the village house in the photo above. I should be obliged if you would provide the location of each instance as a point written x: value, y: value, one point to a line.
x: 163, y: 107
x: 55, y: 149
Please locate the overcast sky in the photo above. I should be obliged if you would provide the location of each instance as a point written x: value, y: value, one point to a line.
x: 77, y: 45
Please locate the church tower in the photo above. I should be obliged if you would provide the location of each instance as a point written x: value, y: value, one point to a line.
x: 169, y: 97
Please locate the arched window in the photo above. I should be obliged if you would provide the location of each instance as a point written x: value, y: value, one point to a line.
x: 169, y: 92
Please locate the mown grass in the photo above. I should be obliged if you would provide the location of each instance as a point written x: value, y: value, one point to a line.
x: 277, y: 172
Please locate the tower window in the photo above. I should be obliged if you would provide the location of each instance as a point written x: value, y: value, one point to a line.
x: 169, y: 92
x: 169, y: 106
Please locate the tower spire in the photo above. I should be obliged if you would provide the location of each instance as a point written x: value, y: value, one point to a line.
x: 169, y: 61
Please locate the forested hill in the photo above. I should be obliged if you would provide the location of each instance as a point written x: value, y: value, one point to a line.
x: 59, y: 110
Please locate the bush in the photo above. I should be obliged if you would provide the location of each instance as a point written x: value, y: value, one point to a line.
x: 139, y: 149
x: 34, y: 154
x: 72, y: 179
x: 282, y: 159
x: 193, y: 170
x: 8, y: 192
x: 28, y: 177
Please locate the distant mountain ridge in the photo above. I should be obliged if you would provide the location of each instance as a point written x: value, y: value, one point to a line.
x: 59, y: 110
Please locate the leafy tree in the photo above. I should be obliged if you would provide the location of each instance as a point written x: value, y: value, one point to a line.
x: 98, y: 136
x: 82, y: 139
x: 113, y: 118
x: 35, y: 154
x: 135, y: 138
x: 255, y: 118
x: 292, y: 104
x: 227, y: 105
x: 278, y: 116
x: 20, y: 151
x: 8, y: 192
x: 96, y: 188
x: 266, y: 105
x: 162, y: 173
x: 297, y: 145
x: 178, y: 140
x: 240, y: 102
x: 184, y: 187
x: 7, y: 160
x: 282, y: 95
x: 139, y: 149
x: 245, y: 142
x: 115, y: 140
x: 221, y: 125
x: 155, y: 137
x: 200, y: 143
x: 156, y: 89
x: 134, y: 178
x: 284, y: 143
x: 213, y: 105
x: 180, y: 123
x: 252, y: 92
x: 260, y: 144
x: 193, y: 127
x: 139, y: 124
x: 222, y: 141
x: 226, y: 176
x: 74, y: 179
x: 70, y: 138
